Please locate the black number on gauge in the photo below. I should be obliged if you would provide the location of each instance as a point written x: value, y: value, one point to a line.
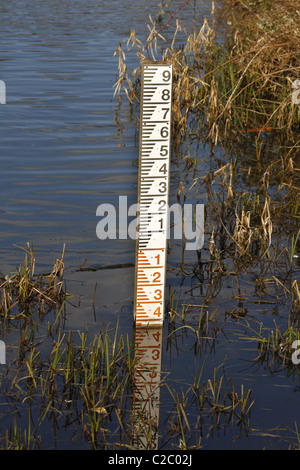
x: 163, y: 150
x: 164, y: 132
x: 166, y: 75
x: 163, y: 169
x: 165, y: 95
x: 166, y: 110
x: 162, y: 187
x: 162, y: 204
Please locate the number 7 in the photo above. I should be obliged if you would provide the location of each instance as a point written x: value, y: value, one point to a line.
x: 166, y: 112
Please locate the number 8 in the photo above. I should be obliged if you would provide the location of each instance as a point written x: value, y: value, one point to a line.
x: 165, y: 95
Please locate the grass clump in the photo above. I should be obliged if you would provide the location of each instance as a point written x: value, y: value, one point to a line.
x: 79, y: 385
x: 24, y: 292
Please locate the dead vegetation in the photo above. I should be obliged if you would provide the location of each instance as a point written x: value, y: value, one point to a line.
x: 243, y: 85
x: 23, y: 293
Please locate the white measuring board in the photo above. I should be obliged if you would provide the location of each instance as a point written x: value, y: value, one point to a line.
x: 153, y: 193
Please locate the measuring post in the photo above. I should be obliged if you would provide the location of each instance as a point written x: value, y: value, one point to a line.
x: 153, y: 193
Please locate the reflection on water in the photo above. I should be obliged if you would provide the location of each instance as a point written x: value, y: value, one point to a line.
x: 146, y: 395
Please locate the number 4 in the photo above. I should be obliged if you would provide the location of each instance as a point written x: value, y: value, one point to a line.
x: 163, y: 169
x: 157, y: 312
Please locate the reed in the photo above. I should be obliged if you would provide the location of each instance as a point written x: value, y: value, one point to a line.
x: 24, y: 293
x: 232, y: 87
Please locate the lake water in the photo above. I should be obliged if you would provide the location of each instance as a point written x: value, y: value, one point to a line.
x: 64, y: 152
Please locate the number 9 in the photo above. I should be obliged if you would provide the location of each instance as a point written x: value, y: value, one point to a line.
x: 166, y: 75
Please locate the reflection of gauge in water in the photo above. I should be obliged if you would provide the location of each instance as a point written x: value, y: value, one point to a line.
x: 146, y: 394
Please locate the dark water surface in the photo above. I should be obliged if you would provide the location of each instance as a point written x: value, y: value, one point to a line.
x: 63, y: 153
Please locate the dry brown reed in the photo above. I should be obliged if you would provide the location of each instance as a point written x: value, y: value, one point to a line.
x: 222, y: 89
